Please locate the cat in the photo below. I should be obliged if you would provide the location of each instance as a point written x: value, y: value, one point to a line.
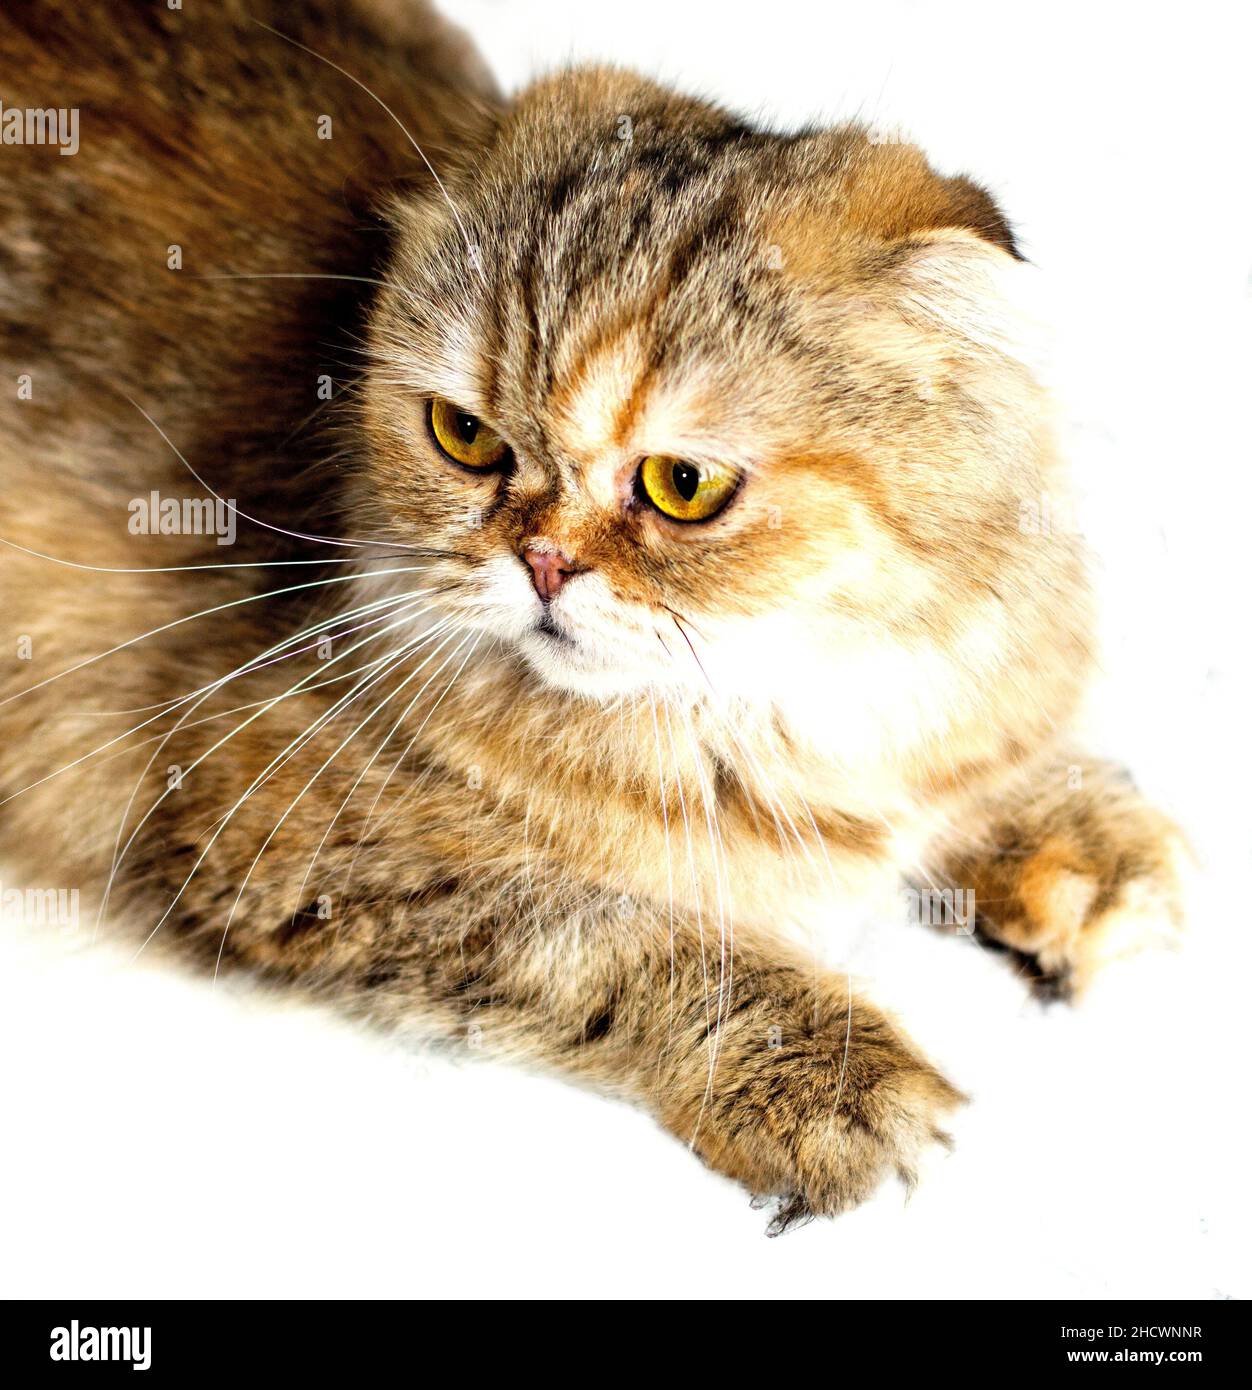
x: 626, y: 566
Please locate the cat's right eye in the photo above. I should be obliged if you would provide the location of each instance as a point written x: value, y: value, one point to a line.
x: 464, y: 438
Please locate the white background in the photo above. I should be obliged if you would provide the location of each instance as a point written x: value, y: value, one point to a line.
x: 165, y: 1137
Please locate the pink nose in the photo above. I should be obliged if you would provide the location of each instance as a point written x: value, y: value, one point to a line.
x: 548, y: 569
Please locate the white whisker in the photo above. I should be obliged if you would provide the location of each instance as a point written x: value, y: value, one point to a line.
x: 292, y: 747
x: 205, y: 613
x: 403, y: 129
x: 300, y: 794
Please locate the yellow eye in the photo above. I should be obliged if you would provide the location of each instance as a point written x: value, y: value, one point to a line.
x: 686, y: 491
x: 464, y: 437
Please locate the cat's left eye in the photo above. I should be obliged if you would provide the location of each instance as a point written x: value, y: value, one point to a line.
x: 464, y: 437
x: 686, y: 491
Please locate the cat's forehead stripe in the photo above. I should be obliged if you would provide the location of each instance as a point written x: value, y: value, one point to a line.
x: 596, y: 405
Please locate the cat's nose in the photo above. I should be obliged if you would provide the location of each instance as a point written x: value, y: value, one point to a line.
x: 549, y: 569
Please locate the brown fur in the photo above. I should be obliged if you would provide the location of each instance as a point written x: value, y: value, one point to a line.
x: 861, y: 666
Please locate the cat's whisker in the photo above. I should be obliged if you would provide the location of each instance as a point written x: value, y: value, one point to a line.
x: 165, y: 708
x: 324, y: 631
x: 669, y: 861
x: 233, y: 710
x: 684, y: 619
x: 321, y: 634
x: 681, y: 625
x: 361, y: 775
x: 393, y: 660
x: 409, y: 617
x: 831, y: 877
x: 404, y: 130
x: 301, y: 275
x: 331, y: 759
x: 717, y: 862
x: 205, y: 613
x: 204, y: 695
x: 772, y: 800
x: 406, y: 551
x: 257, y: 521
x: 345, y: 389
x: 414, y: 787
x: 320, y: 685
x: 297, y: 687
x: 695, y: 889
x: 257, y: 664
x: 834, y: 886
x: 292, y: 747
x: 775, y: 804
x: 412, y: 790
x: 407, y: 748
x: 690, y: 647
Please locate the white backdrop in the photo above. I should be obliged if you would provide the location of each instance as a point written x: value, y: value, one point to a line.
x: 166, y: 1137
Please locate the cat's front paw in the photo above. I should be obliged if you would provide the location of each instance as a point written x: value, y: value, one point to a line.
x: 1078, y: 877
x: 814, y: 1118
x: 1080, y: 918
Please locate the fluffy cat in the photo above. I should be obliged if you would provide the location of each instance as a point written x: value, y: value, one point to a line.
x: 627, y: 566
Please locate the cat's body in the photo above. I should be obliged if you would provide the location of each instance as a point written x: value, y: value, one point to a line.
x: 629, y: 766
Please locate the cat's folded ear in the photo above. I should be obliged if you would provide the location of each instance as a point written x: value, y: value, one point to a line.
x: 973, y: 208
x: 952, y: 280
x: 878, y: 227
x: 858, y: 204
x: 887, y: 191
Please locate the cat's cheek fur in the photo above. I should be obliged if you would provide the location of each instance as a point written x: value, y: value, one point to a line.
x: 500, y: 599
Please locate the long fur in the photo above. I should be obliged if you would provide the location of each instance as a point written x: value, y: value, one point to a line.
x: 346, y: 752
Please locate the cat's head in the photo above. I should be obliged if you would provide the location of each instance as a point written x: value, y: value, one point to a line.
x: 691, y: 405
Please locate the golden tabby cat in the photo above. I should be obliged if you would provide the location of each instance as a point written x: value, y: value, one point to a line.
x: 518, y: 567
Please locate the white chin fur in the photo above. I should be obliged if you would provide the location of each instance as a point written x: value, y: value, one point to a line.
x: 850, y: 698
x: 576, y: 669
x: 605, y: 650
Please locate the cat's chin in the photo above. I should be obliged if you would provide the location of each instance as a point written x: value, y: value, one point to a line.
x: 576, y: 667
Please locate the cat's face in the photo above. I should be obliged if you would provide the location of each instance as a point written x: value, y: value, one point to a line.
x: 694, y: 408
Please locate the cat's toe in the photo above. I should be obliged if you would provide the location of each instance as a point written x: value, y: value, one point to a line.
x: 1107, y: 923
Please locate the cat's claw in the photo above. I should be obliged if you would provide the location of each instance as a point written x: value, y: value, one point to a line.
x: 791, y: 1213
